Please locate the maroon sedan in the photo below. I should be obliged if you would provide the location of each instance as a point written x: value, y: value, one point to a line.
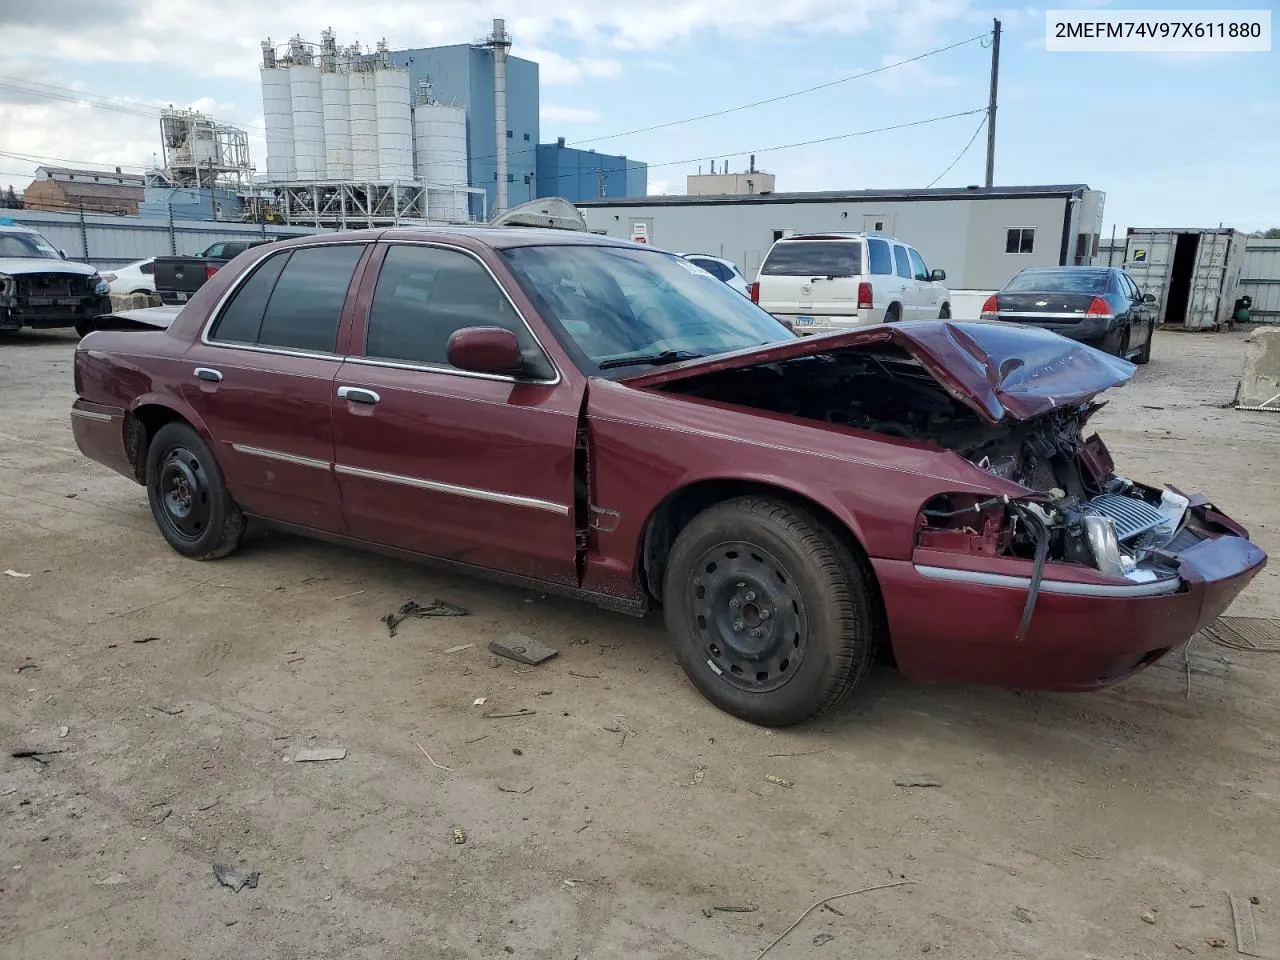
x: 593, y: 417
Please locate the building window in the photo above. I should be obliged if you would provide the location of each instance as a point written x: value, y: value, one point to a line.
x: 510, y: 134
x: 1020, y: 240
x: 526, y: 137
x: 511, y: 178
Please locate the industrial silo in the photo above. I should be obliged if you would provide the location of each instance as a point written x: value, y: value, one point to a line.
x: 440, y: 135
x: 277, y: 114
x: 363, y: 99
x: 337, y: 113
x: 308, y: 113
x: 395, y: 123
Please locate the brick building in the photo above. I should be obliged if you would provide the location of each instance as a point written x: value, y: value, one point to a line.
x: 63, y: 189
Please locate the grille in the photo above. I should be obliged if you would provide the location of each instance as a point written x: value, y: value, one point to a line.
x: 1131, y: 517
x: 52, y: 285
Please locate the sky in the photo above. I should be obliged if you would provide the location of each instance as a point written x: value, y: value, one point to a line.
x: 1173, y: 140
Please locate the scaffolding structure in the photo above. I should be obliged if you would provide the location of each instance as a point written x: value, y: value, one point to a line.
x: 202, y: 153
x: 379, y: 203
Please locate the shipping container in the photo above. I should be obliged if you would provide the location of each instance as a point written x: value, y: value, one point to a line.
x: 1194, y: 274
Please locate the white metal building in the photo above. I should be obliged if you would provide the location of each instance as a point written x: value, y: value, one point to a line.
x: 980, y: 235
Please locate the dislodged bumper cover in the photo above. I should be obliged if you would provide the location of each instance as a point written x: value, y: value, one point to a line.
x: 1004, y: 372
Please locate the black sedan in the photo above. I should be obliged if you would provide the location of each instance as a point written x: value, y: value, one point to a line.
x: 1101, y: 306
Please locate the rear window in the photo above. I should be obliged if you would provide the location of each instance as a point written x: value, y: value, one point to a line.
x: 817, y: 258
x: 1059, y: 281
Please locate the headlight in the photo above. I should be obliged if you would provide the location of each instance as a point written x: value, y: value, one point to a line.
x: 100, y: 285
x: 7, y: 286
x: 1101, y: 532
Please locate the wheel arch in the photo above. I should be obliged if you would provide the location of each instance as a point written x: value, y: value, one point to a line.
x: 145, y: 417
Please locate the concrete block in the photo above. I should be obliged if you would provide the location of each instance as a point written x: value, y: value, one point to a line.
x: 1259, y: 386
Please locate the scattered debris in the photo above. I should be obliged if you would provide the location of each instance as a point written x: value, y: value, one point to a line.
x: 522, y: 649
x: 71, y: 496
x: 148, y: 606
x: 8, y: 790
x: 440, y: 766
x: 918, y: 780
x: 145, y: 639
x: 1148, y: 917
x: 17, y: 575
x: 1086, y: 856
x: 1022, y: 915
x: 708, y: 912
x: 573, y: 881
x: 823, y: 902
x: 314, y: 579
x: 515, y: 789
x: 479, y: 701
x: 1178, y: 944
x: 619, y: 728
x: 822, y: 938
x: 1246, y: 934
x: 1215, y: 942
x: 33, y: 754
x: 62, y: 732
x: 348, y: 596
x: 806, y: 753
x: 229, y: 876
x: 459, y: 835
x: 779, y: 781
x: 698, y: 774
x: 210, y: 806
x: 584, y: 676
x: 111, y: 880
x: 1151, y: 406
x: 495, y: 661
x: 171, y: 711
x: 477, y: 739
x: 838, y: 913
x: 1255, y: 901
x: 162, y: 816
x: 26, y: 666
x: 544, y: 693
x: 737, y: 908
x: 320, y: 754
x: 459, y: 648
x: 295, y: 660
x: 517, y: 751
x: 590, y: 821
x: 411, y: 608
x: 522, y: 712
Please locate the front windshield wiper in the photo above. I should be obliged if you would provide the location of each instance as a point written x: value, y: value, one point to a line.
x: 666, y: 356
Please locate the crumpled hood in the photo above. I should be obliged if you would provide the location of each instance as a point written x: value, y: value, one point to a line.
x: 1003, y: 371
x: 17, y: 266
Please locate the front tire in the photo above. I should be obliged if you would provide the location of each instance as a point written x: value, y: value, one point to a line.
x: 773, y: 618
x: 189, y: 499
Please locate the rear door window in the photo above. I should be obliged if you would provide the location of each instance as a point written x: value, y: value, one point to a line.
x: 881, y: 258
x: 901, y: 262
x: 147, y: 268
x: 713, y: 267
x: 814, y: 258
x: 917, y: 264
x: 242, y: 317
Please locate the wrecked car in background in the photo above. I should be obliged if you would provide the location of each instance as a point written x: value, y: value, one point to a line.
x: 43, y: 290
x: 581, y: 415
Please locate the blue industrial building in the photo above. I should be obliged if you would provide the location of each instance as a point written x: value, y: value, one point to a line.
x: 587, y: 175
x: 462, y: 74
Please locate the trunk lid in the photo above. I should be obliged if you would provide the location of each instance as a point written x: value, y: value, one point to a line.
x: 1001, y: 371
x: 1064, y: 306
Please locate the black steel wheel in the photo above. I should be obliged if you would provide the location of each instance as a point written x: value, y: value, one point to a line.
x: 189, y: 499
x: 773, y: 617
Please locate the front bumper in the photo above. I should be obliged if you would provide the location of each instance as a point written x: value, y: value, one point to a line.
x: 19, y: 313
x: 1084, y: 633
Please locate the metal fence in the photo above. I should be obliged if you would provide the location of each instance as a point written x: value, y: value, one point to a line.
x: 107, y: 241
x: 1259, y: 276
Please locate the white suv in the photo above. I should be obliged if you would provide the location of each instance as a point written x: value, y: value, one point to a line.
x: 830, y: 281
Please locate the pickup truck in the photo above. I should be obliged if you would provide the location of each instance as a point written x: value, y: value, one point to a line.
x: 177, y: 278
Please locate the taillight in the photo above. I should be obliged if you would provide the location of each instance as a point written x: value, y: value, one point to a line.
x: 755, y: 292
x: 990, y: 308
x: 1098, y: 308
x: 864, y: 296
x: 209, y: 271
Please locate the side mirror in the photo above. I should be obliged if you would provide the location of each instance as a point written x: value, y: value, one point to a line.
x: 938, y: 275
x: 62, y: 254
x: 1148, y: 298
x: 484, y: 350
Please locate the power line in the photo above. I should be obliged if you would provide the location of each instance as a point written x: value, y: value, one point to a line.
x: 981, y: 123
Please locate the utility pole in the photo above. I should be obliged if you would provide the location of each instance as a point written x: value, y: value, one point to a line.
x: 991, y: 104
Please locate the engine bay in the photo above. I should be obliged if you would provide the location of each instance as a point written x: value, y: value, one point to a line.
x: 1081, y: 511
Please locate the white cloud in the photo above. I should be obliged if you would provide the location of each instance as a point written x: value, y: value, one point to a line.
x: 659, y: 188
x: 555, y: 68
x: 550, y: 113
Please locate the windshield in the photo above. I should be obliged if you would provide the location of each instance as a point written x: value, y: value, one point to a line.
x: 813, y: 258
x: 620, y: 308
x: 24, y: 244
x: 1059, y: 281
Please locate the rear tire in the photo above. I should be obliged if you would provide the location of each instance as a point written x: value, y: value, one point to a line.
x: 893, y: 314
x: 189, y: 499
x: 773, y: 618
x: 1144, y: 355
x: 1122, y: 343
x: 945, y: 312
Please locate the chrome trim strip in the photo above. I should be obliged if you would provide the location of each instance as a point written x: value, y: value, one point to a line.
x: 1158, y: 588
x: 1023, y: 315
x: 472, y: 493
x: 370, y: 361
x: 91, y: 415
x: 293, y: 458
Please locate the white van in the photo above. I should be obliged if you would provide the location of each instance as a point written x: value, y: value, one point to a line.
x: 830, y: 281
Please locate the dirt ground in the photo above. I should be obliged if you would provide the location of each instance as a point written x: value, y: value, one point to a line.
x: 184, y: 689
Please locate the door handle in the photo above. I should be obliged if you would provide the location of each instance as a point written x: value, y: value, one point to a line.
x: 208, y: 374
x: 358, y: 395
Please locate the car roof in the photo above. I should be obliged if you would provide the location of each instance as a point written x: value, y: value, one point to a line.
x: 15, y: 228
x: 833, y: 236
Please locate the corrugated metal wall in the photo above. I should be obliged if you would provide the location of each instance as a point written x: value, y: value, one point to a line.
x: 107, y: 241
x: 1260, y: 279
